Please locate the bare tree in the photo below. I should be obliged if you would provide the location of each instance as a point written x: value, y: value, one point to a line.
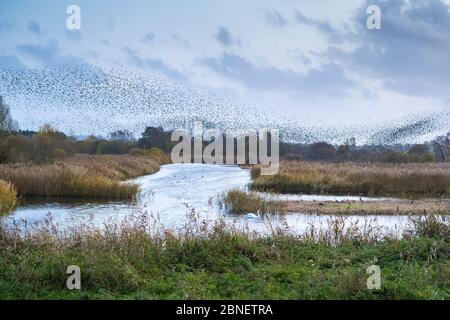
x: 6, y: 122
x: 442, y: 146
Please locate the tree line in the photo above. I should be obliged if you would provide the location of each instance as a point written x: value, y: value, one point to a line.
x: 48, y: 144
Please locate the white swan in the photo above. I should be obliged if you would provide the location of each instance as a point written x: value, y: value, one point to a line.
x: 252, y: 215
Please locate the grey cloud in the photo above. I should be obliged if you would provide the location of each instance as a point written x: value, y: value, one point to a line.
x: 111, y: 24
x: 330, y: 79
x: 48, y: 55
x: 43, y: 53
x: 178, y: 40
x: 274, y: 18
x: 34, y: 27
x: 6, y: 26
x: 225, y: 37
x: 156, y: 65
x: 148, y: 38
x: 10, y: 62
x: 409, y: 53
x: 333, y: 35
x: 73, y: 35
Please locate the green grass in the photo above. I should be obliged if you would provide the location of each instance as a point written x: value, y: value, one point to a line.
x: 221, y: 263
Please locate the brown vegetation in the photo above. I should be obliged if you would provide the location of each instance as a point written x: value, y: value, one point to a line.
x: 8, y: 195
x: 82, y: 176
x: 240, y: 202
x: 388, y: 207
x: 368, y: 179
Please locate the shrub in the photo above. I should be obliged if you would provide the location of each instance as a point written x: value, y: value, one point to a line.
x: 255, y: 172
x: 430, y: 226
x: 8, y: 196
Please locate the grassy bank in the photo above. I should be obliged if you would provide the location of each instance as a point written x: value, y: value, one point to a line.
x: 218, y: 262
x: 91, y: 176
x: 388, y: 207
x: 8, y: 197
x: 240, y: 202
x: 399, y: 180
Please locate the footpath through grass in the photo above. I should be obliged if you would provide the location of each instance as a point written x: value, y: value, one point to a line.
x: 219, y: 262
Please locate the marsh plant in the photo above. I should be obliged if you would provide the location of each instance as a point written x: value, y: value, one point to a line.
x: 137, y: 258
x: 99, y: 176
x: 8, y: 196
x: 240, y: 202
x: 368, y: 179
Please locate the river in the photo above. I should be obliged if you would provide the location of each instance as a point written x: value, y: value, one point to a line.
x: 173, y: 192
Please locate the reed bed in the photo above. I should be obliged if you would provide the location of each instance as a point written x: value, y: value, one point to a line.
x: 90, y: 176
x: 136, y: 259
x: 367, y: 179
x: 8, y: 196
x: 240, y: 202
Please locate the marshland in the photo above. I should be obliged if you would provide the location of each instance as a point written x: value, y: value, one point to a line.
x: 405, y: 180
x: 133, y: 260
x: 141, y: 227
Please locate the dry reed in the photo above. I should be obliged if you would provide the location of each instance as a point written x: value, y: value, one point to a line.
x: 97, y: 176
x: 370, y: 179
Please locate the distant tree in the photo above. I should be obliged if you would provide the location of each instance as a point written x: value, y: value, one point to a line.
x: 155, y: 138
x: 48, y: 131
x: 121, y: 135
x: 113, y: 147
x: 419, y: 150
x: 396, y: 157
x: 321, y: 151
x: 441, y: 146
x: 421, y: 153
x: 344, y: 151
x: 7, y: 124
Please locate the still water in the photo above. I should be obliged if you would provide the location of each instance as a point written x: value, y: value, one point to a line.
x: 170, y: 194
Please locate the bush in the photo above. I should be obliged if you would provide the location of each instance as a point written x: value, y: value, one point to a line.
x: 255, y: 172
x: 59, y: 153
x: 8, y: 196
x: 113, y: 147
x: 431, y: 226
x: 397, y: 157
x: 154, y: 153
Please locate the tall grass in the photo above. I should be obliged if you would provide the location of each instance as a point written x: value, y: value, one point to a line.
x: 80, y: 176
x: 240, y: 202
x: 370, y: 179
x: 8, y: 196
x: 135, y: 259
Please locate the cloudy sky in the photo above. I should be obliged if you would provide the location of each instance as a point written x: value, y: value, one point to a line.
x: 314, y: 58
